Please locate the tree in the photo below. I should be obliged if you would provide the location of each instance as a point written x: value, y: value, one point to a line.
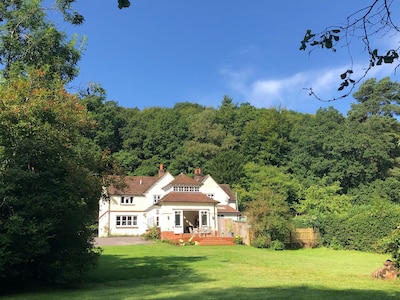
x: 226, y: 167
x: 269, y: 218
x: 312, y: 138
x: 275, y: 179
x: 48, y: 190
x: 265, y: 139
x: 324, y: 200
x: 328, y: 146
x: 29, y: 41
x: 208, y: 137
x: 380, y: 98
x: 369, y: 24
x: 109, y: 117
x: 66, y: 7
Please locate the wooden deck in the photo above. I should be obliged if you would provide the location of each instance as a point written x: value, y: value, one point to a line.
x: 206, y: 241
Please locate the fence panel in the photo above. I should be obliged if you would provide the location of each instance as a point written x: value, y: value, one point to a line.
x: 229, y: 227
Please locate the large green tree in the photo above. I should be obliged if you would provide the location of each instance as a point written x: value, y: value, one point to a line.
x: 269, y: 217
x: 374, y: 98
x: 109, y: 116
x: 48, y: 189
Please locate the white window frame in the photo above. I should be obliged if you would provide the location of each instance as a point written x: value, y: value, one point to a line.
x: 127, y: 200
x: 204, y: 217
x: 178, y: 221
x: 186, y: 188
x: 156, y: 198
x: 126, y: 221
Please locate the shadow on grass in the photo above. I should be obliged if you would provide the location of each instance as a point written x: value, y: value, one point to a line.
x: 117, y: 274
x: 155, y: 277
x: 300, y: 292
x: 169, y: 270
x: 173, y: 277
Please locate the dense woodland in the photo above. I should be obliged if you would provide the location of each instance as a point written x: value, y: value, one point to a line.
x: 333, y: 172
x: 337, y: 173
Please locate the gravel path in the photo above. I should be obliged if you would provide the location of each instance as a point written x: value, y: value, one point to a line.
x: 121, y: 240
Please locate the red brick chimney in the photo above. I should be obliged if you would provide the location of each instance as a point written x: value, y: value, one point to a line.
x: 197, y: 174
x: 161, y: 171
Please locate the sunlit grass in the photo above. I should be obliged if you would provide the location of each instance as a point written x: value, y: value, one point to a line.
x: 162, y: 271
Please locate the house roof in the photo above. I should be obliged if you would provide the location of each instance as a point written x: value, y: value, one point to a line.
x: 228, y: 191
x: 226, y: 209
x: 195, y: 197
x: 183, y: 179
x: 130, y: 185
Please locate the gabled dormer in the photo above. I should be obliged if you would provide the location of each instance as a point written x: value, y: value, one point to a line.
x: 183, y: 183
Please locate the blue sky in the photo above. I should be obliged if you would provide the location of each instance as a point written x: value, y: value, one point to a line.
x: 160, y: 52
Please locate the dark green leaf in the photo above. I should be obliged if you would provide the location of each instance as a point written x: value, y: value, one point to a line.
x: 328, y: 44
x: 387, y: 59
x: 123, y: 4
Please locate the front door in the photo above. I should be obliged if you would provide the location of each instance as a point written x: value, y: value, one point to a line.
x: 178, y: 221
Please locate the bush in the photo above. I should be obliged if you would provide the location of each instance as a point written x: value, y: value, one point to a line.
x: 277, y: 245
x: 361, y: 229
x: 152, y: 234
x: 261, y: 242
x: 335, y: 244
x: 238, y: 240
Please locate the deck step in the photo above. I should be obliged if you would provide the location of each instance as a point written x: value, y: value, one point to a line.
x: 208, y: 241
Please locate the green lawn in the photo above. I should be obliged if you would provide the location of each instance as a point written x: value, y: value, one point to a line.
x: 163, y: 271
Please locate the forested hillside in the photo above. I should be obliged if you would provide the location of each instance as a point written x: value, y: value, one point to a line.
x: 328, y: 170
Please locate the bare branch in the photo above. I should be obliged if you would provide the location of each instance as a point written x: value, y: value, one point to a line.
x: 372, y: 21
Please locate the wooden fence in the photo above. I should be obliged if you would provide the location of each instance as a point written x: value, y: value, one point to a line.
x: 304, y: 237
x: 228, y: 227
x: 300, y: 238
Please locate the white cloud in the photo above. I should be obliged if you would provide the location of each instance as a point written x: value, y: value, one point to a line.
x: 283, y: 91
x: 292, y: 92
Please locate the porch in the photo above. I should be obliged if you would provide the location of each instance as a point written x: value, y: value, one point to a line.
x: 205, y: 235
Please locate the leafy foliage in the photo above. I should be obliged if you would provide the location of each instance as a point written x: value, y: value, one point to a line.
x: 29, y: 41
x: 269, y: 218
x: 361, y: 229
x: 47, y: 189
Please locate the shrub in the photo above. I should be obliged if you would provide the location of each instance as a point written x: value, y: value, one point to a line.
x: 335, y: 244
x: 238, y: 240
x: 361, y: 229
x: 277, y: 245
x: 261, y: 242
x: 152, y: 234
x: 391, y: 244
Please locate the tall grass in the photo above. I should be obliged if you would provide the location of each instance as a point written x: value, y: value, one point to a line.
x: 163, y: 271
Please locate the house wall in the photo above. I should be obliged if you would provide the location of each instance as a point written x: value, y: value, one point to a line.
x: 142, y: 208
x: 211, y: 187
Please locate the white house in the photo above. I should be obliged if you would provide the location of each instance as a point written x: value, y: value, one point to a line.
x: 176, y: 205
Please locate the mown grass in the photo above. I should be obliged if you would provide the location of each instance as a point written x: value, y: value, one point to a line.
x: 163, y: 271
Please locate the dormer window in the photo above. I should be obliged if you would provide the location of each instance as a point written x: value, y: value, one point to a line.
x: 126, y: 200
x: 182, y: 188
